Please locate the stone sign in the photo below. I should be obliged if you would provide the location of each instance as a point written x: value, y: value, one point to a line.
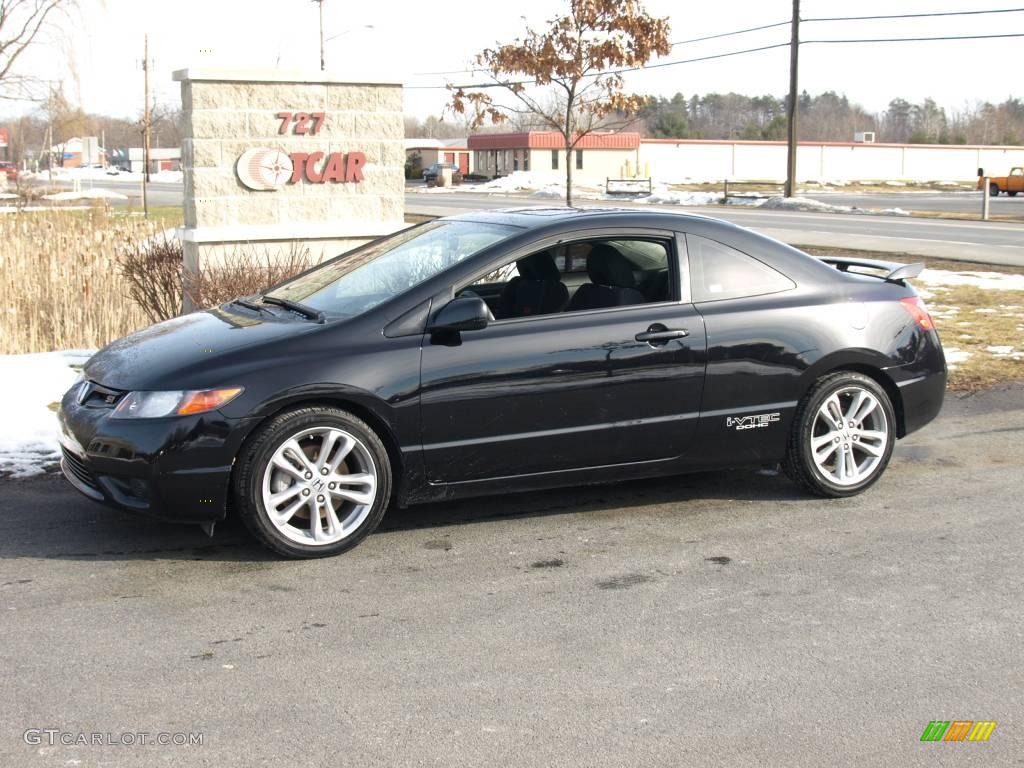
x: 276, y: 158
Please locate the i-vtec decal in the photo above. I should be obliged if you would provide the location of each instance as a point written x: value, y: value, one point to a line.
x: 756, y: 421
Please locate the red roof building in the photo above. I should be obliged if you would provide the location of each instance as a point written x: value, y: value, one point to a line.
x: 596, y: 155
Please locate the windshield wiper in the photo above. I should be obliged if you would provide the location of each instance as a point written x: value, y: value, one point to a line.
x: 243, y: 302
x: 294, y: 306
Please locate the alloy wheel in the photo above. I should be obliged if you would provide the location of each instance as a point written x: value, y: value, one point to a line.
x: 319, y: 486
x: 850, y: 436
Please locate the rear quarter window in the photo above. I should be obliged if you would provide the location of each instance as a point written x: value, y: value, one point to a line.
x: 720, y: 272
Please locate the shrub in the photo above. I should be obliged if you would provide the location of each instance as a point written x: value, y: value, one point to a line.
x: 155, y: 275
x: 245, y: 271
x: 152, y: 271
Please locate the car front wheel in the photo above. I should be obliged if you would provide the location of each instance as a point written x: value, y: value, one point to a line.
x: 843, y: 436
x: 313, y: 482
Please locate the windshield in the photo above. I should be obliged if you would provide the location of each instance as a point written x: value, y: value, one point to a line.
x: 358, y: 282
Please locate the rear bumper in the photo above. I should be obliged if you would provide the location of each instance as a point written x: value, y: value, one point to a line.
x: 922, y: 399
x: 177, y: 469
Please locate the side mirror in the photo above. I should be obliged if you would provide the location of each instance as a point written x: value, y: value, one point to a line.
x: 467, y: 313
x: 981, y: 172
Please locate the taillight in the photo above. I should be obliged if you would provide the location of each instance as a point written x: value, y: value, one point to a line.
x: 917, y: 310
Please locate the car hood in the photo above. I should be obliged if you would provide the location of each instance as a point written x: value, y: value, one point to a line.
x: 188, y: 352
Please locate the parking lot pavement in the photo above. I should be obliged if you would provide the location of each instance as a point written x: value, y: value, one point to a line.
x: 716, y: 619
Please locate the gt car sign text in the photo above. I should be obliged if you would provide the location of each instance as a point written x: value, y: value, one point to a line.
x: 267, y: 168
x: 263, y: 168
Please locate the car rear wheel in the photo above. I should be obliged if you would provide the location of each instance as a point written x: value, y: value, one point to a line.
x: 843, y: 436
x: 313, y: 482
x: 993, y: 190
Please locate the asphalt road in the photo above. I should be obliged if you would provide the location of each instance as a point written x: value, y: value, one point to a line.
x: 158, y: 193
x: 983, y: 242
x: 716, y: 619
x: 946, y: 202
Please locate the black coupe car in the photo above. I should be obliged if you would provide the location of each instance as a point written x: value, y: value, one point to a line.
x: 501, y: 351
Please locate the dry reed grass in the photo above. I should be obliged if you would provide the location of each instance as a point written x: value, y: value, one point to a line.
x: 72, y: 280
x: 59, y: 279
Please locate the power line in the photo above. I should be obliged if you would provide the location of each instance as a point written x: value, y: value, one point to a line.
x: 761, y: 27
x: 475, y: 86
x: 711, y: 57
x: 914, y: 15
x: 731, y: 34
x: 913, y: 39
x: 673, y: 45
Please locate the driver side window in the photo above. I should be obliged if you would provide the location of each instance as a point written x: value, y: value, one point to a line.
x: 581, y: 275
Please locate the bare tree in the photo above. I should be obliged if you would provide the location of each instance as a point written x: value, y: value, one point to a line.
x: 65, y: 120
x: 569, y: 75
x: 21, y: 22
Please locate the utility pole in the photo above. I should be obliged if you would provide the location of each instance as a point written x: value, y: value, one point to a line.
x: 49, y: 152
x: 145, y: 126
x: 791, y: 108
x: 321, y: 4
x: 49, y: 138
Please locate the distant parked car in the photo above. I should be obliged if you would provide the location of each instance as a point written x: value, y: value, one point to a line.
x: 9, y: 169
x: 430, y: 174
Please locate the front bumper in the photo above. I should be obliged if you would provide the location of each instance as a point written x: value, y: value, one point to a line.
x: 175, y: 469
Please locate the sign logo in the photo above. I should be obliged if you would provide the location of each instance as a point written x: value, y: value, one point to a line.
x: 958, y: 730
x: 755, y: 421
x: 264, y: 169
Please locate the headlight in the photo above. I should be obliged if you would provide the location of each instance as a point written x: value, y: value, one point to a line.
x: 155, y: 405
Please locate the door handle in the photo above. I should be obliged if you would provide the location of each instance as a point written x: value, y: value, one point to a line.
x: 661, y: 334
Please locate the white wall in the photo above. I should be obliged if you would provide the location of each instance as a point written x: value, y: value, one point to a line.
x: 766, y: 161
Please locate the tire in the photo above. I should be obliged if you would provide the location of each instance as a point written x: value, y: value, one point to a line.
x: 1012, y: 192
x: 993, y: 190
x: 865, y: 447
x: 283, y: 475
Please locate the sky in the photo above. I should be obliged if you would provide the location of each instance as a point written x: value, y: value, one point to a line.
x: 415, y: 42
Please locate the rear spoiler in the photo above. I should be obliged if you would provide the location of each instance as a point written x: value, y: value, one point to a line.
x: 894, y: 272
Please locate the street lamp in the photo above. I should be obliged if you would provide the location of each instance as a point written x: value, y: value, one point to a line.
x: 332, y: 37
x: 347, y: 31
x: 321, y: 4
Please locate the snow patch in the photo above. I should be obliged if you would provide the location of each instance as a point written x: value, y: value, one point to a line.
x: 28, y: 442
x: 84, y: 174
x: 954, y: 356
x: 988, y: 280
x: 999, y: 350
x: 167, y: 177
x: 665, y: 196
x: 806, y: 204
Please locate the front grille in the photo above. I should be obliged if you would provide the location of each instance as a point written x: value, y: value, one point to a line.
x: 93, y: 395
x: 74, y: 467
